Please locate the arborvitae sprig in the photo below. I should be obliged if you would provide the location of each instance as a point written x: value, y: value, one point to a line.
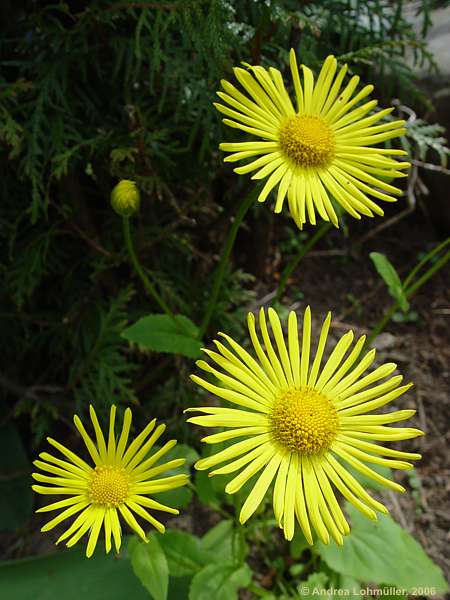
x: 111, y: 91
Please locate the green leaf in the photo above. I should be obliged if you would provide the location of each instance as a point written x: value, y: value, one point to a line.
x: 220, y: 582
x: 392, y: 593
x: 182, y: 451
x: 179, y: 588
x: 70, y: 575
x: 183, y: 552
x: 218, y: 541
x: 384, y: 553
x: 368, y: 482
x: 205, y: 489
x: 161, y: 333
x: 179, y: 497
x: 296, y: 570
x: 349, y: 584
x: 313, y: 586
x: 150, y: 566
x: 390, y: 277
x: 298, y: 544
x: 219, y: 483
x: 187, y: 555
x: 16, y: 497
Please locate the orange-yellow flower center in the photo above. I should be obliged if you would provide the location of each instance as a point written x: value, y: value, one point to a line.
x: 109, y: 485
x: 307, y: 140
x: 304, y: 420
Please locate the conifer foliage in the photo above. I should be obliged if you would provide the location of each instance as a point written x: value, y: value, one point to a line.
x: 96, y: 92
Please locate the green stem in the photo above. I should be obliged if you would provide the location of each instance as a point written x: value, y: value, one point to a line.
x: 321, y: 231
x: 220, y: 271
x: 411, y: 290
x: 428, y: 274
x: 381, y: 324
x: 258, y: 591
x: 425, y: 259
x: 238, y: 535
x: 140, y: 271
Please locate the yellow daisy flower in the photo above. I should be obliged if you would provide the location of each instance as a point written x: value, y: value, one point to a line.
x: 117, y: 484
x: 322, y: 148
x: 303, y: 424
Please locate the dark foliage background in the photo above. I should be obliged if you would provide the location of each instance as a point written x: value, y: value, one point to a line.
x: 94, y: 92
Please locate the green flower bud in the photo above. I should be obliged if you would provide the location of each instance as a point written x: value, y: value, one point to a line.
x: 125, y: 198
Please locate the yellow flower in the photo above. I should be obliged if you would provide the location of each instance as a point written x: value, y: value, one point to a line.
x: 117, y: 484
x: 303, y: 425
x: 125, y: 198
x: 322, y: 148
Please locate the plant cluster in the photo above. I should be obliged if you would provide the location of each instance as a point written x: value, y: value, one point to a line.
x: 110, y: 105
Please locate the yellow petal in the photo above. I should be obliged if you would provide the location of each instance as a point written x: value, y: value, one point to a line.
x: 260, y: 488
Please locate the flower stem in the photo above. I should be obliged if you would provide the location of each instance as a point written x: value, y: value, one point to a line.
x: 220, y: 271
x: 290, y: 268
x: 238, y: 541
x: 412, y: 289
x: 424, y: 260
x: 150, y: 288
x: 428, y: 274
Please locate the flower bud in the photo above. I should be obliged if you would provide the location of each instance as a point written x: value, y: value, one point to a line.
x: 125, y: 198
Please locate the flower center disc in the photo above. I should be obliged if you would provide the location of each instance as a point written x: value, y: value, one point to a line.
x: 304, y: 420
x: 109, y: 485
x: 307, y: 140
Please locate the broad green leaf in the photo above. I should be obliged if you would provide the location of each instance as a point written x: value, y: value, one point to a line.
x: 179, y: 497
x: 205, y: 489
x: 218, y: 483
x: 187, y: 555
x: 220, y: 582
x: 368, y: 482
x: 16, y: 497
x: 218, y: 541
x: 182, y: 451
x: 349, y: 584
x: 161, y: 333
x: 150, y: 566
x: 390, y: 277
x: 184, y: 553
x: 298, y: 544
x: 314, y: 586
x: 384, y: 553
x: 70, y: 575
x: 392, y: 593
x: 296, y: 570
x: 178, y: 588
